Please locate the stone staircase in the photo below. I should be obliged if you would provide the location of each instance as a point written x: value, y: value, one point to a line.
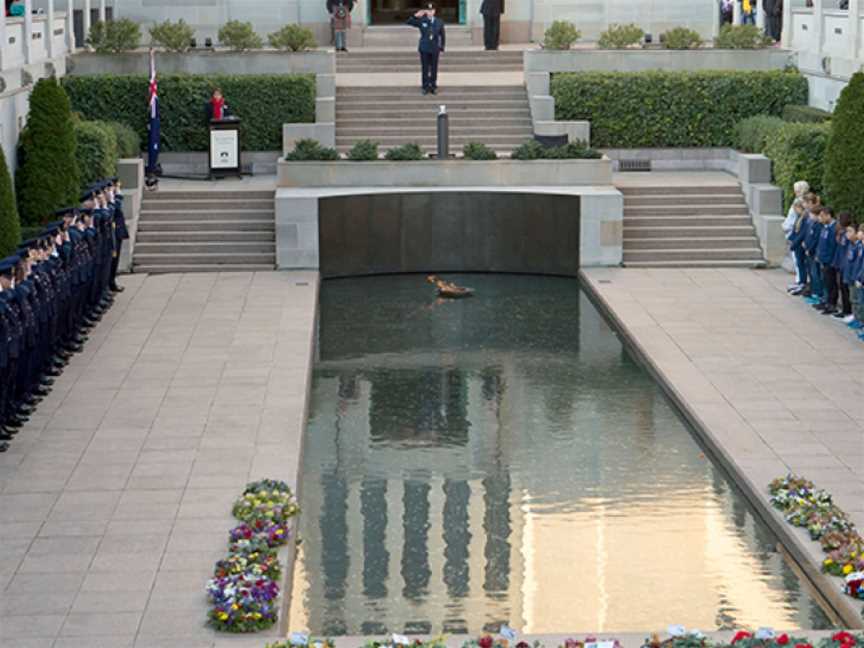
x: 206, y: 231
x: 408, y: 60
x: 705, y: 226
x: 401, y: 35
x: 497, y: 116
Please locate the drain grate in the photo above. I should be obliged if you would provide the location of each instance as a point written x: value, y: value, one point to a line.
x: 634, y: 165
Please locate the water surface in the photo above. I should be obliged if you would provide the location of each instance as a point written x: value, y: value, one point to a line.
x: 502, y: 459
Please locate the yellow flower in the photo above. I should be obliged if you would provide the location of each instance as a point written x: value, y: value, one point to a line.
x: 256, y: 615
x: 847, y: 569
x: 828, y: 561
x: 234, y: 606
x: 223, y: 616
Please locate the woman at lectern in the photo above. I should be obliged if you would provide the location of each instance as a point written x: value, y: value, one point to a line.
x: 216, y: 108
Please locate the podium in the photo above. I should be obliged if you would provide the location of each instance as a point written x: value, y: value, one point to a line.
x: 225, y: 147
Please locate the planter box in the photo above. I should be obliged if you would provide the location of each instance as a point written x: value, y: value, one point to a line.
x: 446, y: 173
x: 206, y: 62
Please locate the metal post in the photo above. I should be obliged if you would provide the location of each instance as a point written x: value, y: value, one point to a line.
x: 28, y: 31
x: 443, y: 134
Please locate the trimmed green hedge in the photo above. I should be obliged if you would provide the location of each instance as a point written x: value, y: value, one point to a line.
x: 96, y: 150
x: 844, y: 165
x: 672, y: 109
x: 752, y: 135
x: 10, y: 224
x: 262, y: 102
x: 805, y: 114
x: 797, y: 152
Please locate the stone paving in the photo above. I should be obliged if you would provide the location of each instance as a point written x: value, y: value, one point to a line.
x: 778, y: 386
x: 115, y: 498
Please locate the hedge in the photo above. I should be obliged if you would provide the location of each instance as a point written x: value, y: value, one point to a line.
x: 96, y: 150
x: 844, y: 165
x: 672, y: 109
x: 262, y: 102
x: 805, y: 114
x: 10, y: 225
x: 797, y: 152
x: 752, y: 135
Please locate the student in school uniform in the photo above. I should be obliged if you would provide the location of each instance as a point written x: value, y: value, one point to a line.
x: 857, y: 276
x: 814, y: 295
x: 852, y: 257
x: 796, y: 235
x: 841, y: 259
x: 825, y: 249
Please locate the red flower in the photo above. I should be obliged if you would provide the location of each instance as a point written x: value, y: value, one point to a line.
x: 844, y: 638
x: 804, y: 645
x: 486, y: 642
x: 783, y: 639
x: 741, y: 634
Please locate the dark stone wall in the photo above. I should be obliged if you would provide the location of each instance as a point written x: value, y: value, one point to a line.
x: 449, y: 232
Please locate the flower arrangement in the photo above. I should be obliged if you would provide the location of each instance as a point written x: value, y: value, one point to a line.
x: 581, y: 643
x: 399, y: 640
x: 300, y: 640
x: 805, y: 506
x: 765, y: 638
x: 842, y: 639
x: 679, y: 638
x: 244, y: 589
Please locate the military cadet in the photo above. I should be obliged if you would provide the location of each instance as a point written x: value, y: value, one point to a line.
x: 121, y: 233
x: 431, y: 45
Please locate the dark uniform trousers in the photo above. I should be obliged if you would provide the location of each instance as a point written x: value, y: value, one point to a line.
x: 429, y: 63
x: 491, y: 31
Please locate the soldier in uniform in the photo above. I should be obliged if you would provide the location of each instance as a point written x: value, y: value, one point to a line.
x: 432, y: 41
x: 491, y: 11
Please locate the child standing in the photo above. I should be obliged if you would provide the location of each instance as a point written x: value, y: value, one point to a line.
x: 825, y: 249
x: 796, y: 236
x: 814, y: 296
x: 841, y: 259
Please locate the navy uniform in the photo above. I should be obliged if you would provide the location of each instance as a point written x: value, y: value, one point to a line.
x: 432, y: 40
x: 491, y: 11
x: 121, y: 232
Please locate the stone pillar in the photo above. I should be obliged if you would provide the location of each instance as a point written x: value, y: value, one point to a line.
x: 49, y: 30
x: 736, y: 12
x: 854, y: 28
x: 3, y: 38
x: 28, y: 31
x: 786, y: 34
x: 70, y: 25
x: 715, y: 22
x: 86, y: 22
x: 760, y: 14
x: 818, y: 26
x: 102, y: 11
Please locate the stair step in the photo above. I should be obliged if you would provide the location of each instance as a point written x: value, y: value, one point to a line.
x: 722, y: 254
x: 216, y: 225
x: 250, y: 204
x: 696, y: 264
x: 234, y: 258
x: 479, y: 132
x: 634, y: 190
x: 383, y: 114
x: 635, y: 232
x: 212, y: 267
x: 154, y: 215
x: 662, y: 201
x: 671, y: 243
x: 170, y: 195
x: 204, y: 235
x: 685, y: 221
x: 420, y: 104
x: 684, y: 210
x: 183, y: 248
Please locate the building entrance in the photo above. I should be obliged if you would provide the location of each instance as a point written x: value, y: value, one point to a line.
x: 396, y: 12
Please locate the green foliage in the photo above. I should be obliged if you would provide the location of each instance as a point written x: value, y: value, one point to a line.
x: 307, y: 150
x: 478, y: 151
x: 174, y: 37
x: 621, y: 36
x: 741, y: 37
x: 681, y: 38
x: 262, y: 102
x: 10, y: 224
x: 128, y: 142
x: 114, y: 36
x: 797, y: 152
x: 667, y: 109
x: 96, y: 150
x: 405, y: 153
x: 844, y: 164
x: 294, y: 38
x: 561, y: 35
x: 47, y: 178
x: 752, y: 135
x: 363, y: 151
x: 239, y: 36
x: 805, y: 114
x: 534, y: 150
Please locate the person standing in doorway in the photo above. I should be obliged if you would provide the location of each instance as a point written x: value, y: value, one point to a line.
x: 340, y: 21
x: 748, y: 12
x: 491, y: 11
x: 431, y: 45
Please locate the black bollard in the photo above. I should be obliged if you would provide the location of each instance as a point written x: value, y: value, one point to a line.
x: 443, y: 134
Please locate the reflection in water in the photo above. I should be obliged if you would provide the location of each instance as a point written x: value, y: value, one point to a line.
x: 503, y: 460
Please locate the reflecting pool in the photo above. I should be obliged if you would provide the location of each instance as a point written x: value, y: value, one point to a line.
x: 502, y: 459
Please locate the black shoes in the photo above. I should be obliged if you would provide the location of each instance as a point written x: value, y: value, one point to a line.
x: 118, y: 289
x: 425, y: 91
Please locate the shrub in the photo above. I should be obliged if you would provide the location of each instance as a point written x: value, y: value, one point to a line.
x: 295, y: 38
x: 174, y: 37
x: 478, y: 151
x: 797, y: 152
x: 47, y: 178
x: 534, y: 150
x: 306, y: 150
x: 666, y: 109
x: 621, y: 36
x: 561, y: 35
x: 805, y: 114
x: 10, y: 224
x: 128, y: 142
x: 405, y: 153
x: 262, y: 102
x: 96, y: 150
x: 844, y: 166
x: 114, y: 36
x: 363, y: 151
x: 239, y: 36
x: 681, y: 38
x: 741, y: 37
x: 752, y: 135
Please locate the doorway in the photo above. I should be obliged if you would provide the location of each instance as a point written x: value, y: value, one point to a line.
x: 396, y: 12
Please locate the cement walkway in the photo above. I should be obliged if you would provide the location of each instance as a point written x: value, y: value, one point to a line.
x: 115, y: 498
x: 775, y: 385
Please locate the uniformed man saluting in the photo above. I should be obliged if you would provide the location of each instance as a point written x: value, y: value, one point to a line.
x: 431, y: 45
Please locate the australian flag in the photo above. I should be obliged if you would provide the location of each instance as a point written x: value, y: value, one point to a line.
x: 153, y: 123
